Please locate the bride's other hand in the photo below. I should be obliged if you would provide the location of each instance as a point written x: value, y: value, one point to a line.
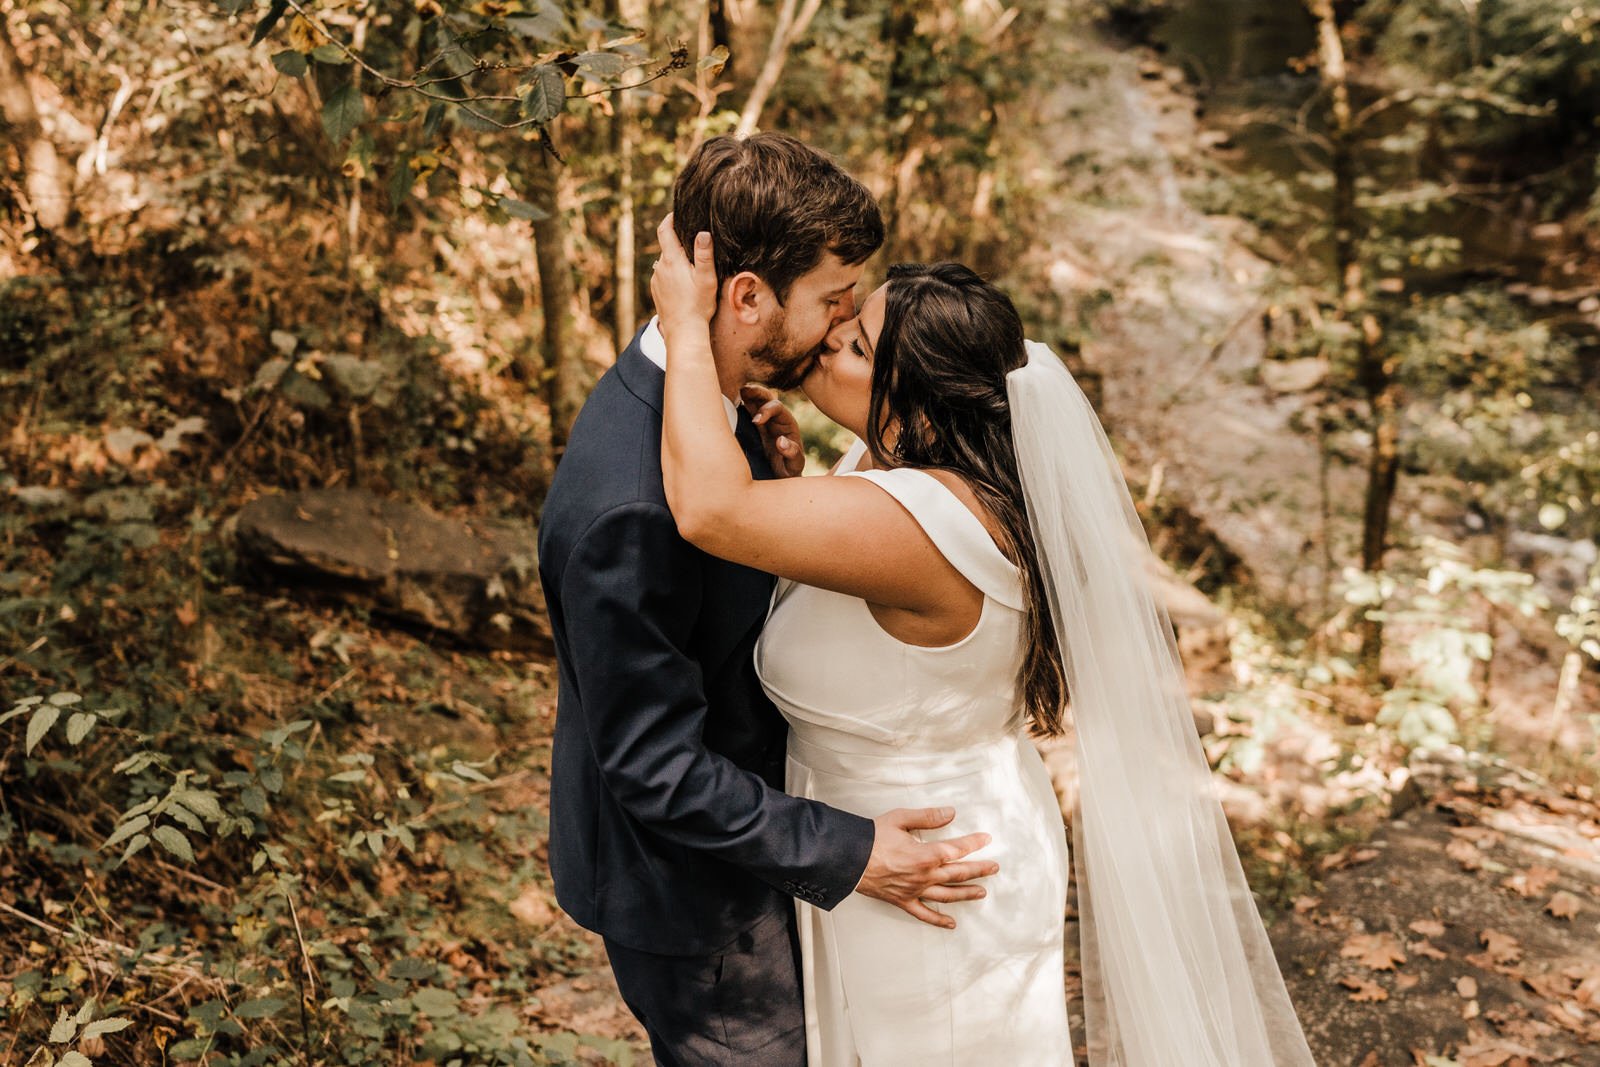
x: 684, y: 289
x: 780, y: 430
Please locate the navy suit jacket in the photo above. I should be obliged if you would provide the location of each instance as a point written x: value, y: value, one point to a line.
x: 669, y: 829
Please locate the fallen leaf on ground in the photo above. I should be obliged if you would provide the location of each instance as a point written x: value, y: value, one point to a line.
x: 1563, y: 905
x: 1503, y: 948
x: 533, y: 908
x: 1467, y: 986
x: 1428, y: 949
x: 1305, y: 904
x: 1365, y: 991
x: 1378, y: 951
x: 1465, y: 853
x: 1403, y: 982
x: 1427, y: 927
x: 1531, y: 882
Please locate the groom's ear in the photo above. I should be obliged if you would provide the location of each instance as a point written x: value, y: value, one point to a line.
x: 747, y: 298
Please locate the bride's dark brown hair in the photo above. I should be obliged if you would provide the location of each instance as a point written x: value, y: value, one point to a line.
x: 939, y: 371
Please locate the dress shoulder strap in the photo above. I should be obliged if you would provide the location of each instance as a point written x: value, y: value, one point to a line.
x: 955, y: 531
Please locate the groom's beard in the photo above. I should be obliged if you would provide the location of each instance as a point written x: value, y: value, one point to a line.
x: 775, y: 361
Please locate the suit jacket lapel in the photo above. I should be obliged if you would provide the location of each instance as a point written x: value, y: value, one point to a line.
x: 736, y: 597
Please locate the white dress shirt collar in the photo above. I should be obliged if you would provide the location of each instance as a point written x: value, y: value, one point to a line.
x: 654, y: 347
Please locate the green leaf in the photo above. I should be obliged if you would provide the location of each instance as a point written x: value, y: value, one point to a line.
x: 269, y: 20
x: 435, y: 1002
x: 603, y: 64
x: 254, y: 799
x: 356, y: 775
x: 540, y: 27
x: 261, y: 1008
x: 547, y: 93
x: 290, y: 62
x: 134, y: 847
x: 65, y: 700
x: 331, y: 54
x: 413, y: 969
x: 178, y: 813
x: 79, y: 725
x: 343, y: 112
x: 44, y: 718
x: 74, y: 1059
x: 189, y: 1049
x: 106, y: 1026
x: 174, y: 842
x: 64, y: 1030
x: 464, y: 769
x: 521, y: 209
x: 432, y: 120
x: 202, y: 802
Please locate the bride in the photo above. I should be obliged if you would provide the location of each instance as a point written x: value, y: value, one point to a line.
x: 974, y: 562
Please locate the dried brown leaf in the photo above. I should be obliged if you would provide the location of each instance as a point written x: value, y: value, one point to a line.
x: 1503, y: 948
x: 1531, y: 882
x: 1465, y: 853
x: 1467, y: 986
x: 1428, y: 949
x: 1427, y: 927
x: 1564, y: 905
x: 1379, y: 951
x: 1365, y: 991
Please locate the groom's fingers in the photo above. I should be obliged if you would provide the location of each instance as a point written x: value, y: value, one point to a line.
x: 951, y: 873
x: 924, y: 819
x: 954, y: 894
x: 918, y: 910
x: 956, y: 847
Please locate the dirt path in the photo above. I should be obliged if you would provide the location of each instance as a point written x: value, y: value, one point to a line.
x: 1465, y: 933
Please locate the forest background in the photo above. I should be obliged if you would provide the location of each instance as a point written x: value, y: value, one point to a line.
x: 1330, y: 270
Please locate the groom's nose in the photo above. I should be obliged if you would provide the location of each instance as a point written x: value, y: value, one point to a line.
x: 834, y: 339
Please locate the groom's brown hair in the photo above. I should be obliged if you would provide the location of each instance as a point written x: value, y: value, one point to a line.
x: 773, y: 206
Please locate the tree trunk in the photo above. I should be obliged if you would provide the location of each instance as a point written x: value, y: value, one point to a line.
x: 1374, y: 373
x: 44, y: 179
x: 624, y: 305
x: 788, y: 29
x: 898, y: 27
x: 562, y: 373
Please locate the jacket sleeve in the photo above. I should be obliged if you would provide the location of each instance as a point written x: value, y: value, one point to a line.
x: 630, y: 596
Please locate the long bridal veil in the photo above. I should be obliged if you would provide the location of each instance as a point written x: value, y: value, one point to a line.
x: 1177, y: 968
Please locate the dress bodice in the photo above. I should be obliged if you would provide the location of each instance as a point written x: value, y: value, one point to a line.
x: 844, y: 682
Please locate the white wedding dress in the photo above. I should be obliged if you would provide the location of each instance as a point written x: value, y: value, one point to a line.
x: 877, y: 724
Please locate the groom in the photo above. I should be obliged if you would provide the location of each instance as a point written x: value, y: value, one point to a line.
x: 670, y: 834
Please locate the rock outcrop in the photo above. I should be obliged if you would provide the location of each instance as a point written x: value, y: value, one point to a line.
x: 476, y: 582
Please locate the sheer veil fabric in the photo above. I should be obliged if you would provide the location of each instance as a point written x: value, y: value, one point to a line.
x: 1177, y: 968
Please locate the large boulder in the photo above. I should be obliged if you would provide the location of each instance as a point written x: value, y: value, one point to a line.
x: 474, y: 581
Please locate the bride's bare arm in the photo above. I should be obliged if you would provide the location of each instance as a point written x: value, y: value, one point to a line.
x: 844, y: 534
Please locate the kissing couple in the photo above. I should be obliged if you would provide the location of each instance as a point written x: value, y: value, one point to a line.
x: 792, y: 783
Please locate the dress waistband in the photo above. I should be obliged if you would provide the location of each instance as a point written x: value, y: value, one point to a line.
x: 887, y: 766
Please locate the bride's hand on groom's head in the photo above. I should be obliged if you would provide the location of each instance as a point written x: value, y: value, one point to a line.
x: 780, y: 430
x: 683, y: 284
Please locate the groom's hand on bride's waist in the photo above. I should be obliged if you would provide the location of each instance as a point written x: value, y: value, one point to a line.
x: 913, y: 875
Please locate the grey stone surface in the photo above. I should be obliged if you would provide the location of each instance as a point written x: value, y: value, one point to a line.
x: 474, y: 581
